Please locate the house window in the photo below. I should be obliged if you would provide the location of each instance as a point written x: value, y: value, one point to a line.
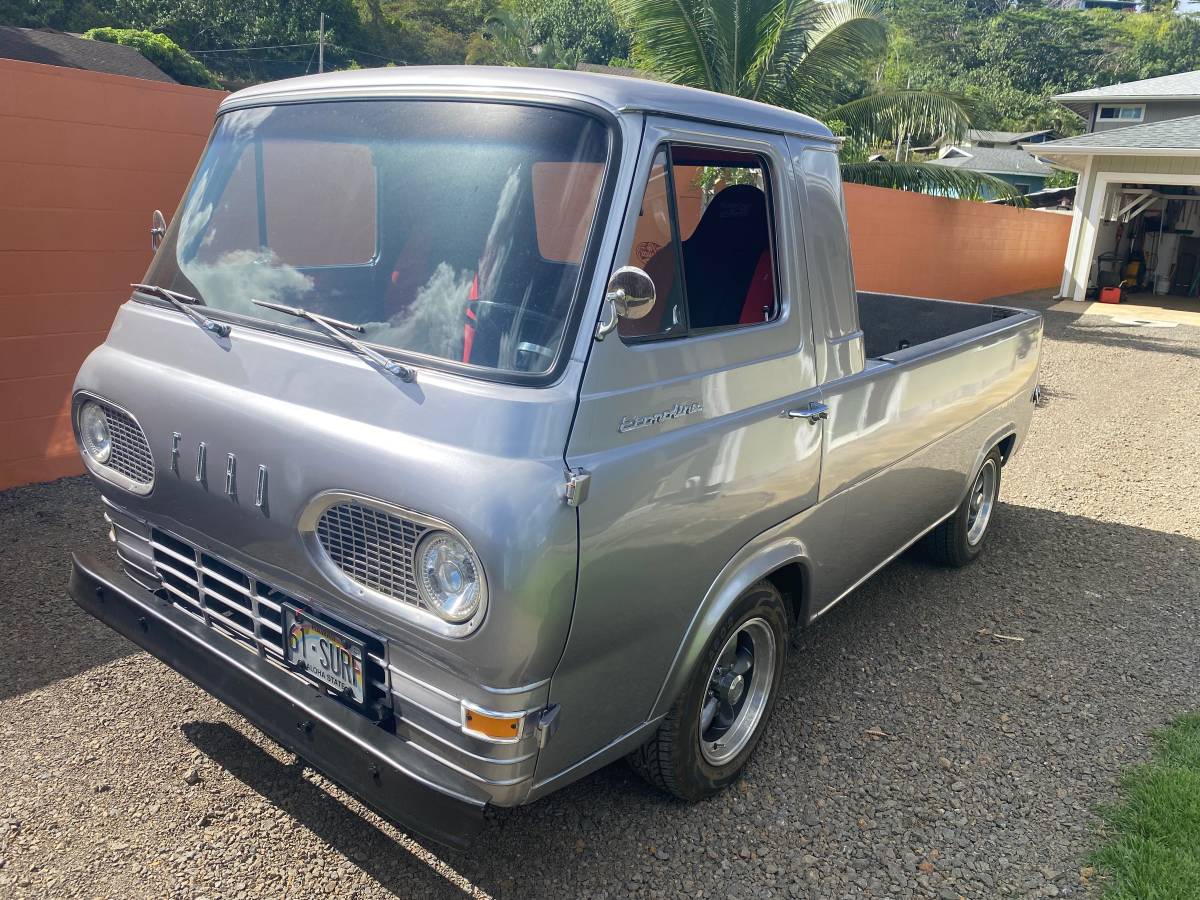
x: 704, y: 235
x: 1121, y: 113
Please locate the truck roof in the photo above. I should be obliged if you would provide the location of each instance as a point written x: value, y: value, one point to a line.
x: 614, y: 92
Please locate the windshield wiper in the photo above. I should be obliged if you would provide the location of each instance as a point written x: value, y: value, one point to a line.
x: 337, y: 329
x: 184, y: 304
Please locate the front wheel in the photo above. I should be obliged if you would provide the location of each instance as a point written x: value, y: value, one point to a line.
x: 959, y: 539
x: 710, y: 733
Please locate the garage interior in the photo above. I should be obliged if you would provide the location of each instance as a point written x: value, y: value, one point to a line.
x: 1148, y: 246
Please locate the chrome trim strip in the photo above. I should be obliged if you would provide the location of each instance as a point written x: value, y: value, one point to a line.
x: 129, y: 531
x: 406, y: 699
x: 129, y: 562
x: 429, y: 687
x: 475, y: 776
x: 171, y: 570
x: 232, y: 585
x: 150, y: 587
x: 174, y: 553
x: 269, y: 604
x: 490, y: 760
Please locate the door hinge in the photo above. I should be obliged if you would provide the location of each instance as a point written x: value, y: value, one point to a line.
x: 575, y: 490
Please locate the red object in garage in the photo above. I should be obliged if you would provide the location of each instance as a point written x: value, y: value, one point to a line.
x: 1110, y: 295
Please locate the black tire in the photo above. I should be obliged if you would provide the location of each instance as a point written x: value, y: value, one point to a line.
x: 673, y: 760
x: 951, y: 543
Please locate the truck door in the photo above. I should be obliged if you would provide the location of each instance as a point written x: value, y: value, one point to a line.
x: 682, y: 420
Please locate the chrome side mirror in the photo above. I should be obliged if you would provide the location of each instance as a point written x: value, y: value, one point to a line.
x: 158, y: 228
x: 630, y: 295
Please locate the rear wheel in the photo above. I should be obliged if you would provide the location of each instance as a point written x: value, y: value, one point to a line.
x: 959, y: 539
x: 711, y: 731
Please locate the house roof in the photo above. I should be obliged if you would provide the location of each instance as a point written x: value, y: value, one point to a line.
x: 1181, y: 86
x: 1173, y: 137
x: 994, y: 161
x: 615, y: 93
x: 57, y: 48
x: 1003, y: 137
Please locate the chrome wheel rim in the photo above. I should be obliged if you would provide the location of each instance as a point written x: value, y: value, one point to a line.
x: 982, y: 499
x: 736, y: 693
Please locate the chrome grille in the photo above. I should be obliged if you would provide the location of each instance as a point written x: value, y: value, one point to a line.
x: 243, y: 607
x: 373, y: 548
x: 218, y: 594
x: 130, y: 454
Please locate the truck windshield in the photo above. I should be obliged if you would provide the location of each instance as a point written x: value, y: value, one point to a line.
x: 454, y: 230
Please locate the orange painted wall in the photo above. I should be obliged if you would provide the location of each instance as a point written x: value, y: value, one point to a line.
x: 84, y: 159
x: 906, y: 243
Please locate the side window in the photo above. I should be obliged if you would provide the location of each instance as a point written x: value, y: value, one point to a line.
x: 704, y: 236
x: 656, y: 250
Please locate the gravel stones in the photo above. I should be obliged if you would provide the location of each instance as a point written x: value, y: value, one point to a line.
x: 912, y: 752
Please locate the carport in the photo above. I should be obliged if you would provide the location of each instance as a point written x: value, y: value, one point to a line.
x: 1137, y: 210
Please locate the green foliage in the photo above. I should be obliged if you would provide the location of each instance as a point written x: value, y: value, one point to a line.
x: 586, y: 27
x: 61, y: 15
x: 160, y: 50
x: 813, y: 56
x: 1153, y: 848
x: 941, y: 180
x: 1061, y: 178
x: 1010, y: 59
x: 509, y: 39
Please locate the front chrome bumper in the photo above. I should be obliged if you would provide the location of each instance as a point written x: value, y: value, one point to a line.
x: 384, y: 771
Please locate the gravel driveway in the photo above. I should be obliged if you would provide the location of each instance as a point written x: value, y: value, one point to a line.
x: 914, y: 752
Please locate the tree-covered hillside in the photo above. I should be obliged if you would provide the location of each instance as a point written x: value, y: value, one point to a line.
x: 1005, y: 58
x: 1009, y: 58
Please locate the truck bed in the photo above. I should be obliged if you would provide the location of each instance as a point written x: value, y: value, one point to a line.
x: 892, y: 323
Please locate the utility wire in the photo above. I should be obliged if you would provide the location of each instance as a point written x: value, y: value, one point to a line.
x: 262, y: 47
x: 398, y: 62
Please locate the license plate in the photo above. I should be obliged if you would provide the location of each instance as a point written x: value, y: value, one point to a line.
x: 325, y: 654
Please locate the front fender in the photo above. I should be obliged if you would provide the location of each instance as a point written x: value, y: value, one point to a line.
x: 760, y: 557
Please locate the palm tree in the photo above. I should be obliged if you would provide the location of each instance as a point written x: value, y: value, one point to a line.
x: 809, y: 56
x: 508, y: 41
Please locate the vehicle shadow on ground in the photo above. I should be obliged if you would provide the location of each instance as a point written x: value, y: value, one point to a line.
x: 911, y: 652
x: 370, y: 848
x: 46, y: 637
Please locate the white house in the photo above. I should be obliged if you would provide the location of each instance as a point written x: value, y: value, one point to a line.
x: 1138, y: 197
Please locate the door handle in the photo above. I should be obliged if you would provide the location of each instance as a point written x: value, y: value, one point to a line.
x: 814, y: 412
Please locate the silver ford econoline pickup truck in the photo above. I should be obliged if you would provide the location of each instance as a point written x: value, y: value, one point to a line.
x: 474, y: 428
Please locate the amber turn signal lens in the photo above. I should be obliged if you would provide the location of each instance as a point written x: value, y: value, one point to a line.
x: 498, y: 728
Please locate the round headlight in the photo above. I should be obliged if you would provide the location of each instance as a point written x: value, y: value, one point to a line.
x: 93, y: 432
x: 448, y: 577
